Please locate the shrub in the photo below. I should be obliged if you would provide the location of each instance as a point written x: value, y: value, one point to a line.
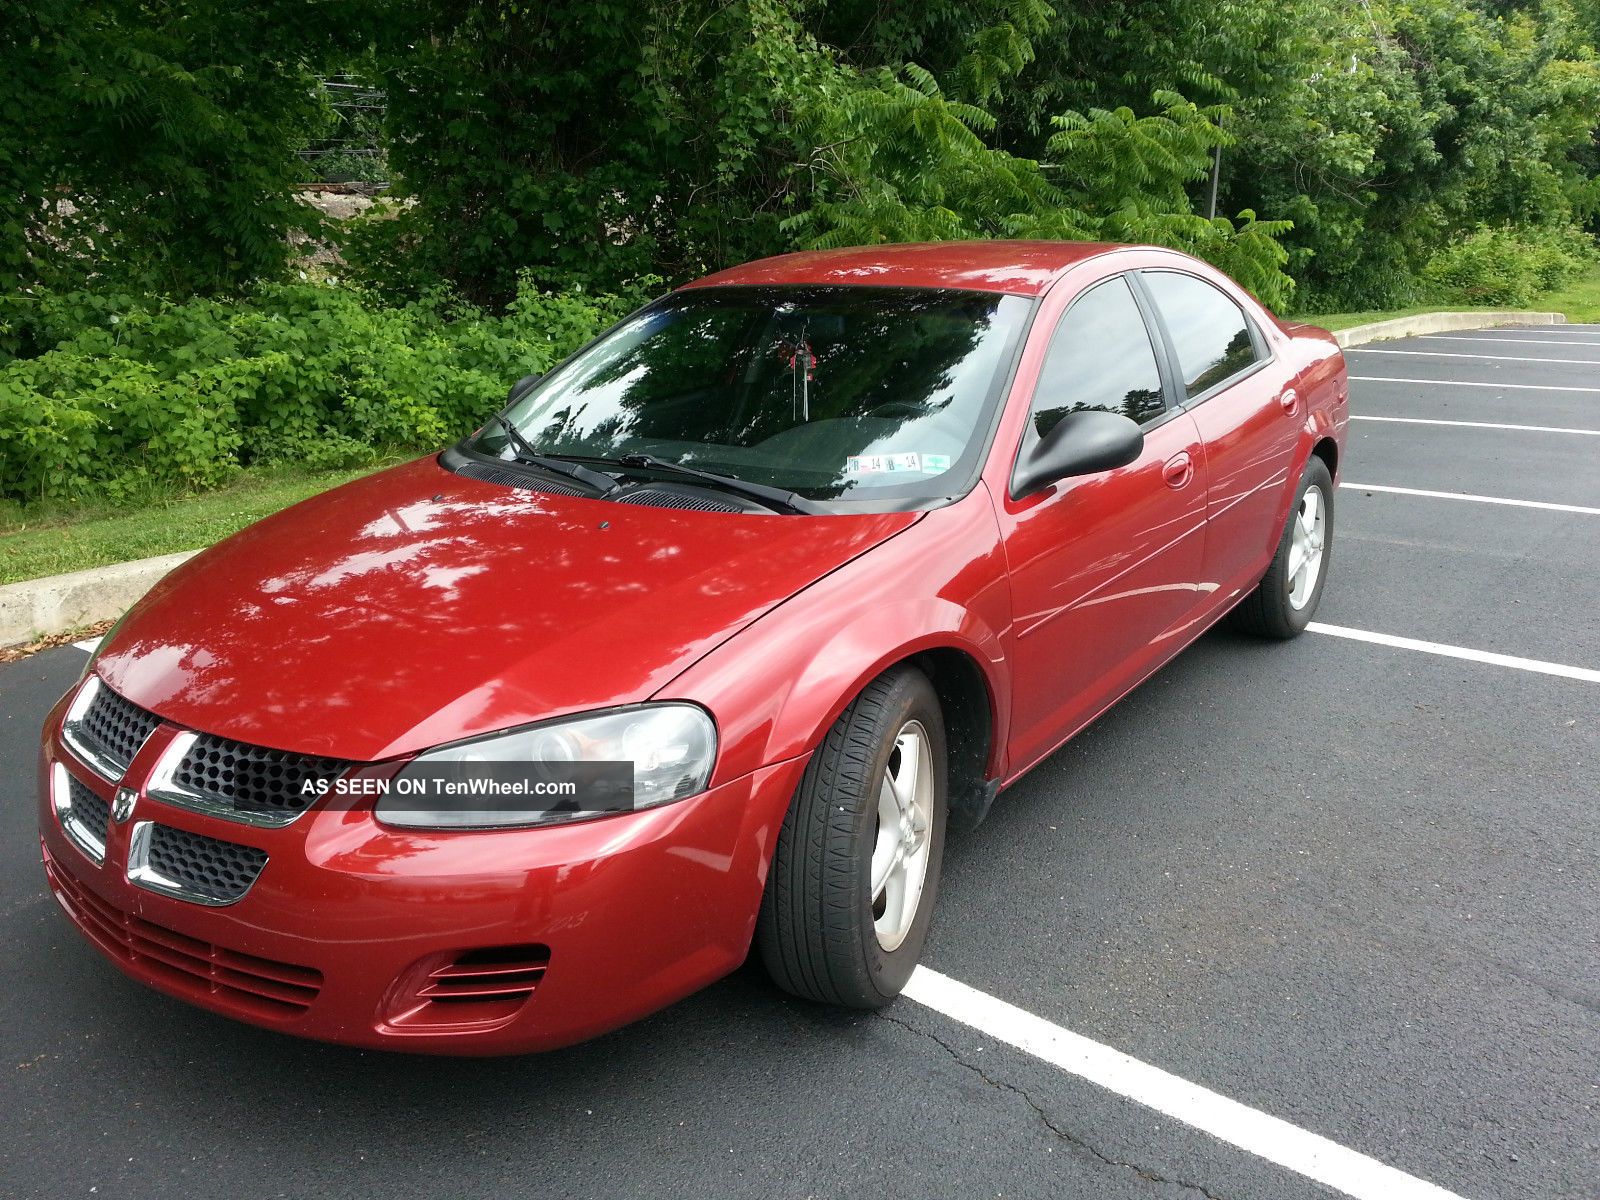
x: 1508, y: 266
x: 105, y: 395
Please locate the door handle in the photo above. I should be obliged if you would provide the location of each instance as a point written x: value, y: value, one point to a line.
x: 1289, y: 400
x: 1179, y: 470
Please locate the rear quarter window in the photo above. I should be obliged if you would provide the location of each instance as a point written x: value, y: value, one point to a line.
x: 1209, y: 332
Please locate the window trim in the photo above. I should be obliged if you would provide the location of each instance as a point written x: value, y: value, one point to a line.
x: 1263, y: 347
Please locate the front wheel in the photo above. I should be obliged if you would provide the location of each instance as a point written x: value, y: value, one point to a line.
x: 1287, y: 596
x: 856, y: 869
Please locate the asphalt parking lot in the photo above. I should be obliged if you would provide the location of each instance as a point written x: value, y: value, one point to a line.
x: 1349, y: 885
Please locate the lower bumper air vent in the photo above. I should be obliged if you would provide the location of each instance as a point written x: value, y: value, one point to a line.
x: 475, y: 987
x: 262, y: 987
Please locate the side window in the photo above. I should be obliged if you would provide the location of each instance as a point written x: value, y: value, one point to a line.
x: 1209, y: 331
x: 1100, y: 357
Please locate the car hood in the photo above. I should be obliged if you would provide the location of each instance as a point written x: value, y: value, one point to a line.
x: 415, y: 607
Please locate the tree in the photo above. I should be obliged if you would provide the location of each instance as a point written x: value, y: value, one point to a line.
x: 152, y: 144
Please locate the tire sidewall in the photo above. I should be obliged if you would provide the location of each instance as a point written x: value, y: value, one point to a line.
x: 1315, y: 475
x: 1273, y: 614
x: 888, y: 970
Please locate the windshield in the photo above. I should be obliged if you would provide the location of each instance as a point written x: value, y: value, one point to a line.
x: 854, y: 393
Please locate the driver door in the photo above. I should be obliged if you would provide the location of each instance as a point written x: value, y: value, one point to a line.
x: 1105, y: 569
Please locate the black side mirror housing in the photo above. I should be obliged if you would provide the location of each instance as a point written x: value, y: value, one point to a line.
x: 1084, y: 442
x: 522, y: 387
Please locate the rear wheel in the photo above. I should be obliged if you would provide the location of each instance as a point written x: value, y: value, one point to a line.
x: 1284, y: 601
x: 856, y: 868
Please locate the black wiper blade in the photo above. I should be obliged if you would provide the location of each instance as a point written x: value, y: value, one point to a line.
x: 769, y: 496
x: 526, y: 452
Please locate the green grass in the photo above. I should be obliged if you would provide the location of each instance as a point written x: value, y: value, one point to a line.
x: 1580, y: 300
x: 93, y: 536
x: 1336, y: 321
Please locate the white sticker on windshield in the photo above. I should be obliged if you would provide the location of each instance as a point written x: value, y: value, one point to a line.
x: 880, y: 464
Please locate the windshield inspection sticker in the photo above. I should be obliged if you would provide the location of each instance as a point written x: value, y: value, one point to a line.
x: 879, y: 464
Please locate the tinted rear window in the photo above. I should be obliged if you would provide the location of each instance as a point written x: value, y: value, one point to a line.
x: 1209, y: 331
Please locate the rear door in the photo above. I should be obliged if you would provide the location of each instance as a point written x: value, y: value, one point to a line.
x: 1248, y: 420
x: 1103, y: 568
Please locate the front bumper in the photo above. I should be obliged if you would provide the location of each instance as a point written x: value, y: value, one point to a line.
x: 461, y: 943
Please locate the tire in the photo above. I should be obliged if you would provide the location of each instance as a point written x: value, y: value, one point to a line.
x: 1272, y: 610
x: 823, y: 933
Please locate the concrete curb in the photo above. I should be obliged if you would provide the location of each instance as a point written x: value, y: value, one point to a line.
x: 1442, y: 322
x: 57, y: 603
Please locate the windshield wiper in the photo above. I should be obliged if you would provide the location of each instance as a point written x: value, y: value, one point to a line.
x: 770, y: 496
x: 526, y: 452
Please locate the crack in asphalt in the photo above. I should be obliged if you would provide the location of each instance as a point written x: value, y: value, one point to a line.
x: 1071, y: 1139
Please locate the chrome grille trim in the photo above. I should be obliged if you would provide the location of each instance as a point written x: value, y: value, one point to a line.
x: 104, y: 764
x: 142, y: 874
x: 165, y: 786
x: 72, y: 823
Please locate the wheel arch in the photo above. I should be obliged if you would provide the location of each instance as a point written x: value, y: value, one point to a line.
x: 1327, y: 450
x: 971, y: 737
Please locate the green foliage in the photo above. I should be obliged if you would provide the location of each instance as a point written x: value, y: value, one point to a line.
x: 116, y: 394
x: 150, y: 148
x: 152, y: 145
x: 590, y: 143
x: 906, y: 163
x: 1415, y: 122
x: 1507, y: 266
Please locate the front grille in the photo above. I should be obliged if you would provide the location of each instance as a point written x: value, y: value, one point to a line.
x: 87, y: 809
x: 251, y: 782
x: 109, y: 730
x: 507, y: 477
x: 661, y: 498
x: 199, y: 867
x: 261, y: 987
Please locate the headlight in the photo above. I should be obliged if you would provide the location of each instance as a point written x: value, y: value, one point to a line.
x: 668, y: 748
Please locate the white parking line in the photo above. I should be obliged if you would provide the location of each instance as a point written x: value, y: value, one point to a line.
x: 1402, y: 491
x: 1256, y: 1132
x: 1576, y: 362
x: 1476, y: 424
x: 1520, y: 387
x: 88, y: 646
x: 1514, y: 341
x: 1538, y: 666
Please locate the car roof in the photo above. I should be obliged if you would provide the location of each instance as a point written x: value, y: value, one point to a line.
x: 1015, y: 267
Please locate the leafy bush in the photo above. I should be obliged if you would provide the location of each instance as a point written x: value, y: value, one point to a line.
x: 1508, y: 266
x: 104, y: 395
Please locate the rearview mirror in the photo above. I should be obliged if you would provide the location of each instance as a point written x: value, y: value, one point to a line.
x: 1082, y: 443
x: 522, y: 387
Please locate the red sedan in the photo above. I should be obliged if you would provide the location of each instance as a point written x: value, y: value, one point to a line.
x: 821, y: 553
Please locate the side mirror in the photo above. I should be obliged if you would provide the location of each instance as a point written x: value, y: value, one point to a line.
x: 522, y: 387
x: 1082, y: 443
